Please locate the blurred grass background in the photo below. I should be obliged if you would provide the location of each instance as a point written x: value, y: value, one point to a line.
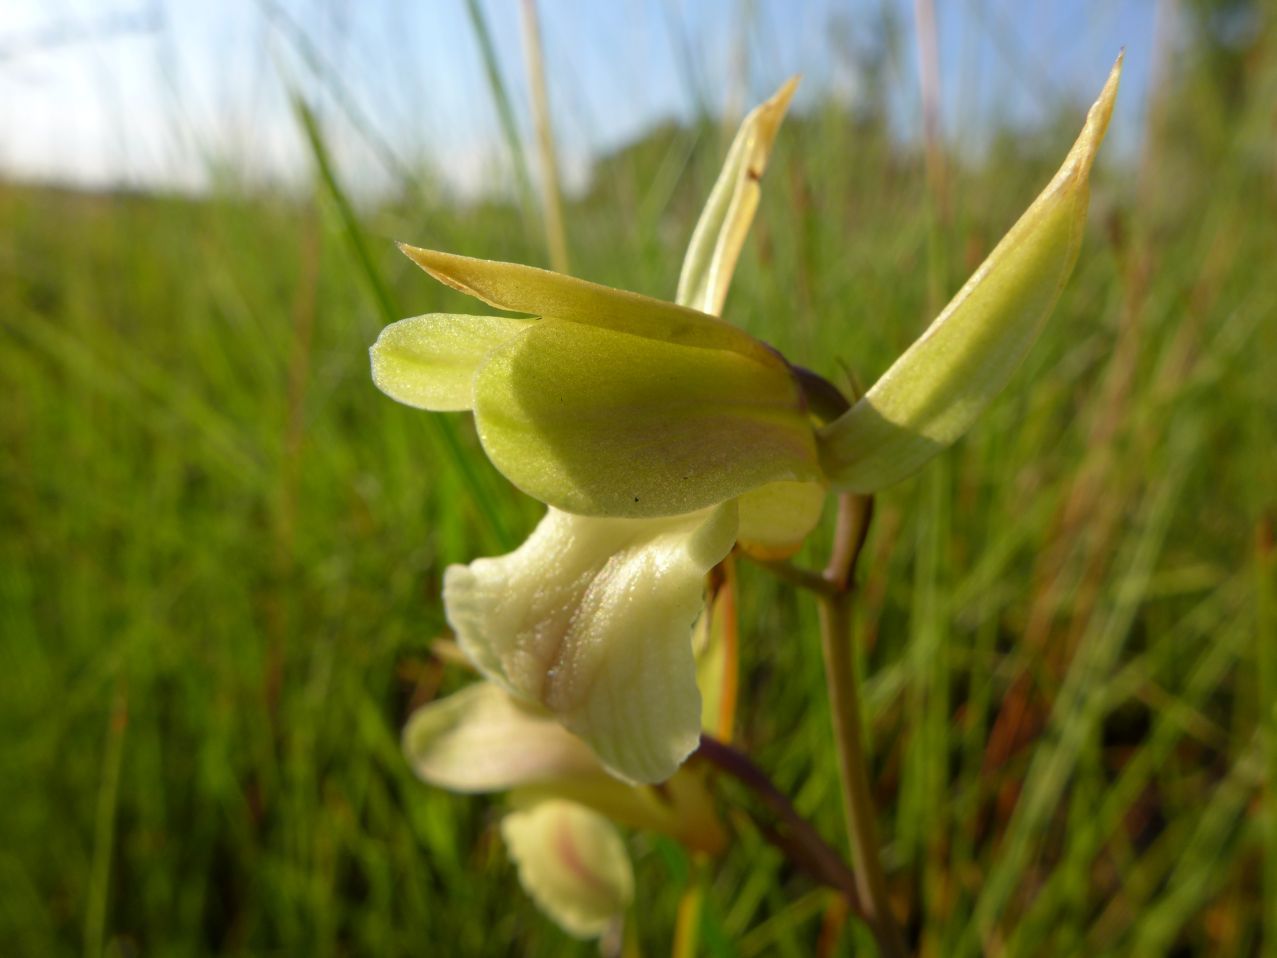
x: 222, y: 550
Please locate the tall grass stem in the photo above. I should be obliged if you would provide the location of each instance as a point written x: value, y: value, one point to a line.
x: 505, y: 110
x: 854, y: 515
x: 556, y: 239
x: 443, y: 428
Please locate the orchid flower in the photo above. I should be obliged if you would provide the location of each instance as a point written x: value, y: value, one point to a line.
x: 592, y: 616
x: 571, y: 858
x: 660, y: 435
x: 573, y: 863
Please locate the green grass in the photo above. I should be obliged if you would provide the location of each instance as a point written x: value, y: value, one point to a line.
x: 222, y: 552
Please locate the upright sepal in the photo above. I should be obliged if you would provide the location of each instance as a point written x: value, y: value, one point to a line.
x: 541, y: 292
x: 724, y: 223
x: 933, y: 393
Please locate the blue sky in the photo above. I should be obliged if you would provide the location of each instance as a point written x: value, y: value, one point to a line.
x: 176, y: 93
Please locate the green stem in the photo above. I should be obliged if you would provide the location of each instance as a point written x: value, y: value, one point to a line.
x: 104, y: 826
x: 444, y: 430
x: 795, y: 575
x: 505, y: 109
x: 687, y: 927
x: 854, y: 514
x: 798, y: 840
x: 1266, y: 629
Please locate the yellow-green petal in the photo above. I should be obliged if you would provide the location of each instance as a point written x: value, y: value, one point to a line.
x: 592, y: 619
x: 777, y: 517
x: 720, y: 232
x: 598, y: 422
x: 430, y: 361
x: 937, y: 388
x: 712, y: 640
x: 526, y: 289
x: 573, y: 864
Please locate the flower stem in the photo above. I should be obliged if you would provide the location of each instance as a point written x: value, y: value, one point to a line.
x: 854, y: 515
x: 797, y: 839
x: 797, y: 576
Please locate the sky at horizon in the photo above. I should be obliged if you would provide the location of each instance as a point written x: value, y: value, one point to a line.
x: 175, y: 94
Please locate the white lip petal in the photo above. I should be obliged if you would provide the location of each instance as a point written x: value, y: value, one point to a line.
x: 481, y: 740
x: 592, y: 619
x: 573, y: 864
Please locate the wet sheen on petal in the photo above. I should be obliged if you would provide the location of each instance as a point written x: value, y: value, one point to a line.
x: 592, y: 618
